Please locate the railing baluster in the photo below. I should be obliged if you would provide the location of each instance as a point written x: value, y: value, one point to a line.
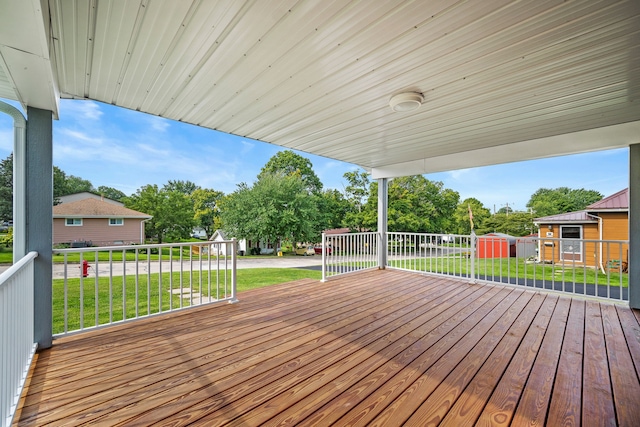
x: 72, y: 298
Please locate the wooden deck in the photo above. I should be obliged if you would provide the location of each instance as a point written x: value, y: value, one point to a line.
x: 372, y: 348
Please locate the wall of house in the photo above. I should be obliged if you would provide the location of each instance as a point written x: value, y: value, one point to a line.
x: 97, y: 231
x: 615, y: 227
x: 550, y: 249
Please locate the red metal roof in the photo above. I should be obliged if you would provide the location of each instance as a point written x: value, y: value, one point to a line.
x: 619, y: 200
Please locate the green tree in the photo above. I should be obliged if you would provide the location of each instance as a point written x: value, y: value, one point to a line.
x: 110, y: 193
x: 514, y: 224
x: 546, y: 201
x: 6, y: 188
x: 461, y: 215
x: 289, y: 163
x: 59, y: 184
x: 64, y: 184
x: 276, y: 207
x: 172, y: 212
x: 358, y: 192
x: 332, y: 210
x: 206, y: 209
x: 75, y: 184
x: 184, y: 187
x: 419, y: 205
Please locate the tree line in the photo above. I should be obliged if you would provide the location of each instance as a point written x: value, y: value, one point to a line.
x: 287, y: 202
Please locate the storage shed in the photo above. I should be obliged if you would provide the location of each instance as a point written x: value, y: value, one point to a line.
x: 496, y: 245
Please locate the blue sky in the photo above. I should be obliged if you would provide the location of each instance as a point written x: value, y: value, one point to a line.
x: 126, y: 149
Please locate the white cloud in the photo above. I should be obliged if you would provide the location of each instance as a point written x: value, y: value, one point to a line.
x: 74, y: 134
x: 461, y: 174
x: 247, y: 147
x: 158, y: 124
x: 75, y: 110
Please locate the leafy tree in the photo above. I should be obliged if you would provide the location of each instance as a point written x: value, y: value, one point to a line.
x: 506, y: 210
x: 75, y: 184
x: 546, y: 201
x: 184, y: 187
x: 276, y: 207
x: 64, y: 184
x: 206, y: 210
x: 332, y: 210
x: 419, y: 205
x: 514, y: 224
x: 289, y: 163
x: 172, y: 212
x: 111, y: 193
x: 6, y: 188
x: 461, y: 215
x: 357, y: 192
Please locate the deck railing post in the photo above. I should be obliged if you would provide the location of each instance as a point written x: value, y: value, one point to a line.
x: 323, y: 248
x: 383, y: 204
x: 473, y: 256
x: 234, y: 250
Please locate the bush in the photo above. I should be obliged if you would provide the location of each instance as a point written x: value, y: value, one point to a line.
x: 7, y: 239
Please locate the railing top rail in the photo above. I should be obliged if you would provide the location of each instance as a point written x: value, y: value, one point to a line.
x: 351, y: 234
x: 5, y: 275
x: 520, y: 238
x: 145, y: 246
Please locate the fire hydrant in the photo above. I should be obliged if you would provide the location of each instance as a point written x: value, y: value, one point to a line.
x: 85, y: 268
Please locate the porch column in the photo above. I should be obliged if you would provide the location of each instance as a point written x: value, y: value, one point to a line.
x: 383, y: 204
x: 39, y: 215
x: 634, y: 226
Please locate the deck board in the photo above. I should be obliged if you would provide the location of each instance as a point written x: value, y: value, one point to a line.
x: 567, y: 390
x: 370, y: 348
x: 597, y: 407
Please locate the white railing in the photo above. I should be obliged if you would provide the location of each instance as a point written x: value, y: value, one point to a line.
x: 446, y: 254
x: 16, y: 333
x: 98, y: 286
x: 578, y: 266
x: 349, y: 252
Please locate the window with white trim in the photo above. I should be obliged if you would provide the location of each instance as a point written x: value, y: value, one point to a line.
x: 571, y: 242
x: 73, y: 222
x: 116, y: 221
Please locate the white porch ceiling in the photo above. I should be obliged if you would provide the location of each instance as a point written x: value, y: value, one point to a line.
x: 503, y: 80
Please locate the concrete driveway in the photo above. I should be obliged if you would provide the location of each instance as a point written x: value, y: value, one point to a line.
x: 267, y: 261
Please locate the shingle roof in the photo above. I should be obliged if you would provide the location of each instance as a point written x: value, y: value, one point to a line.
x: 617, y: 201
x: 95, y: 208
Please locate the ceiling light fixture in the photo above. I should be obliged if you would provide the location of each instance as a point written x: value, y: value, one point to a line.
x: 406, y: 101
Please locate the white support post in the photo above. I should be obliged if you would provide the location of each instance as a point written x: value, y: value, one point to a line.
x: 19, y: 180
x: 383, y: 202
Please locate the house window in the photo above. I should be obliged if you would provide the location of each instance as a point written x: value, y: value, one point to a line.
x: 571, y: 242
x: 73, y: 222
x: 116, y: 221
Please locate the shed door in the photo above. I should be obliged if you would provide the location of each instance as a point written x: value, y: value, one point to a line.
x: 571, y: 243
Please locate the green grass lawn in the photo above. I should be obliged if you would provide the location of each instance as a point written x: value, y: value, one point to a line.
x: 6, y: 255
x: 513, y: 267
x: 152, y: 292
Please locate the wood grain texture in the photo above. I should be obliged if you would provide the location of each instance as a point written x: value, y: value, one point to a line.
x: 373, y: 348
